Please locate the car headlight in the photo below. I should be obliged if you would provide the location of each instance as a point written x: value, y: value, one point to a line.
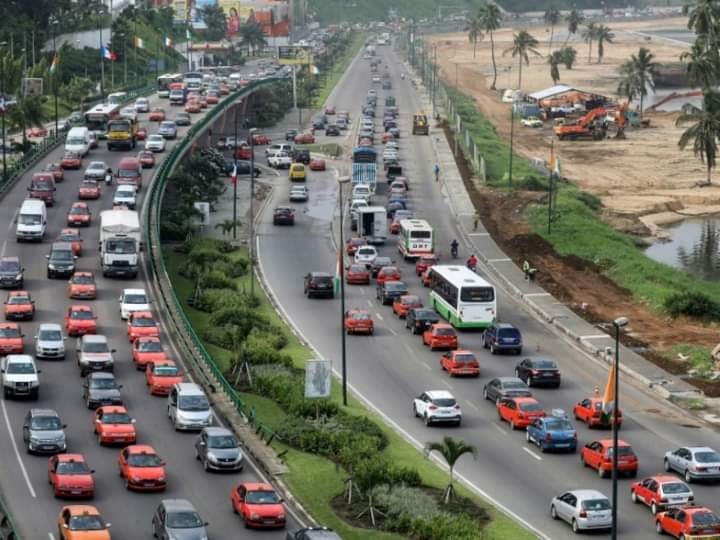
x: 281, y: 516
x: 211, y: 456
x: 18, y: 277
x: 135, y: 478
x: 254, y: 516
x: 161, y: 479
x: 51, y: 266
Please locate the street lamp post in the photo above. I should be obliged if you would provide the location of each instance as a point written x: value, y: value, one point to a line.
x: 235, y: 148
x: 341, y: 264
x: 53, y: 23
x: 618, y: 323
x: 251, y: 134
x: 4, y: 111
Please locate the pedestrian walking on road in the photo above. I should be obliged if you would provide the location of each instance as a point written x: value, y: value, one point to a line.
x: 476, y: 220
x: 437, y: 172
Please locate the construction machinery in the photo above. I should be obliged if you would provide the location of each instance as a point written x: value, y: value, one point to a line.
x: 594, y: 124
x: 420, y: 124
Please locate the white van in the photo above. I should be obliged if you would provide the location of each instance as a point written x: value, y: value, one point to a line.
x: 188, y: 407
x: 78, y: 140
x: 31, y: 221
x: 361, y: 191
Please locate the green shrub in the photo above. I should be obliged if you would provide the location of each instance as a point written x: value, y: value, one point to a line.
x: 400, y: 475
x: 692, y: 304
x: 405, y: 502
x: 215, y: 279
x: 241, y: 317
x: 444, y: 526
x: 593, y: 202
x: 234, y: 268
x: 533, y: 183
x: 212, y: 300
x: 261, y: 348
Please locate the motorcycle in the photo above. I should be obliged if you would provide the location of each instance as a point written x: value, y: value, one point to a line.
x: 454, y: 251
x: 108, y: 179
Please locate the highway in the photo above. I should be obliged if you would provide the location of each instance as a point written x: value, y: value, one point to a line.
x: 392, y: 367
x: 24, y: 477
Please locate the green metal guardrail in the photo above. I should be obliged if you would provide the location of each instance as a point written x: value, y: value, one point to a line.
x: 158, y: 272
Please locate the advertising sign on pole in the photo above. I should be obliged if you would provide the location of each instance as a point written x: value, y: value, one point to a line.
x: 292, y: 56
x: 317, y: 379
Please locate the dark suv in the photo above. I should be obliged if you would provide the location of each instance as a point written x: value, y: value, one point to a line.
x: 11, y: 273
x: 313, y: 533
x: 301, y: 155
x: 420, y: 319
x: 390, y: 290
x: 61, y: 260
x: 290, y: 134
x: 502, y: 337
x: 332, y: 130
x: 319, y: 284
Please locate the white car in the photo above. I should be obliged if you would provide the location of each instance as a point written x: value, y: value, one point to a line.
x: 365, y: 255
x: 531, y: 121
x: 397, y: 188
x: 390, y: 153
x: 278, y: 147
x: 376, y: 80
x: 20, y: 376
x: 125, y: 195
x: 142, y: 105
x: 49, y: 341
x: 299, y: 193
x: 155, y: 143
x: 133, y: 300
x: 437, y: 406
x: 280, y: 160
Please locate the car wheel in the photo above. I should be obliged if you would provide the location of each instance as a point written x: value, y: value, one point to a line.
x: 653, y: 508
x: 542, y: 447
x: 206, y: 467
x: 527, y: 436
x: 492, y: 349
x: 529, y: 381
x: 601, y: 472
x: 512, y: 425
x: 485, y: 394
x: 658, y: 528
x: 582, y: 461
x: 688, y: 478
x: 484, y: 343
x: 127, y: 484
x: 99, y: 439
x: 666, y: 465
x: 427, y: 421
x: 575, y: 527
x: 553, y: 512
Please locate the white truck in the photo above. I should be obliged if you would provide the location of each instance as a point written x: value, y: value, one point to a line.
x: 120, y: 242
x: 372, y: 224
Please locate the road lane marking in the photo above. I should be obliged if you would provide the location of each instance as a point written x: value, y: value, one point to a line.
x: 393, y: 332
x: 446, y: 383
x: 533, y: 454
x: 52, y: 536
x: 478, y: 234
x: 423, y: 364
x: 405, y: 344
x: 14, y: 219
x: 17, y: 452
x: 532, y: 294
x: 472, y: 405
x: 378, y: 315
x: 596, y: 336
x: 4, y: 247
x: 501, y: 430
x: 504, y: 259
x: 369, y: 303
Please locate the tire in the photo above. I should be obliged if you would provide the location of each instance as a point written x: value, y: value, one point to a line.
x: 492, y: 349
x: 527, y: 436
x: 206, y: 467
x: 654, y: 508
x: 666, y: 465
x: 99, y: 440
x: 658, y: 528
x: 687, y: 477
x: 582, y: 460
x: 601, y: 473
x: 575, y: 527
x: 512, y: 425
x: 634, y: 498
x: 553, y: 512
x: 542, y: 447
x: 415, y: 412
x: 485, y: 394
x: 529, y: 381
x: 427, y: 421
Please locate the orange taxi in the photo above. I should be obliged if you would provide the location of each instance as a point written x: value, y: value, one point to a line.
x: 258, y: 505
x: 142, y: 324
x: 243, y: 151
x: 147, y: 349
x: 388, y: 273
x: 82, y: 522
x: 317, y: 164
x: 304, y: 138
x: 359, y: 321
x: 141, y: 134
x: 689, y: 522
x: 520, y: 412
x: 157, y: 114
x: 203, y: 102
x: 146, y: 159
x: 260, y: 139
x: 71, y: 160
x: 395, y: 225
x: 425, y: 278
x: 70, y: 476
x: 440, y: 336
x: 460, y: 362
x: 161, y: 375
x: 211, y: 99
x: 405, y: 303
x: 598, y: 455
x: 424, y: 262
x: 56, y: 170
x: 590, y: 411
x: 142, y: 468
x: 357, y: 274
x: 73, y: 237
x: 192, y: 106
x: 82, y: 285
x: 19, y: 306
x: 11, y: 340
x: 89, y: 190
x: 79, y: 215
x: 112, y: 425
x: 80, y: 320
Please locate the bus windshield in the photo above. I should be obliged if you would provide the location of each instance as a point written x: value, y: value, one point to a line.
x: 477, y: 294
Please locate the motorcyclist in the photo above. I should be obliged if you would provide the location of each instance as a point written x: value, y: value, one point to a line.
x: 402, y: 76
x: 108, y: 176
x: 472, y: 262
x: 454, y: 249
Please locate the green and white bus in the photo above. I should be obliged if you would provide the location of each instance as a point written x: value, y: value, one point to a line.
x: 415, y: 238
x: 462, y: 297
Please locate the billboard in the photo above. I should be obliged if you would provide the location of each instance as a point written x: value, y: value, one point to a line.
x: 272, y: 15
x: 289, y: 56
x: 317, y: 379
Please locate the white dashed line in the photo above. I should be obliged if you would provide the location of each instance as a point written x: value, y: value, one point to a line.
x: 14, y: 218
x: 393, y: 332
x: 501, y: 430
x: 4, y: 247
x: 423, y: 364
x: 533, y: 454
x: 17, y: 452
x: 369, y: 303
x: 472, y: 405
x: 380, y: 317
x: 446, y: 384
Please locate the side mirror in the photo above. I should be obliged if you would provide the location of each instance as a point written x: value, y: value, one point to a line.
x: 47, y: 256
x: 120, y: 386
x: 64, y: 426
x: 113, y: 350
x: 132, y: 421
x: 39, y: 371
x: 97, y: 421
x: 92, y: 471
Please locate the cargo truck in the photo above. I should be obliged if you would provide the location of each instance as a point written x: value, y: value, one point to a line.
x: 372, y: 224
x: 120, y: 243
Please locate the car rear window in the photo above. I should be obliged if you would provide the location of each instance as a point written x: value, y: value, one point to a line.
x: 509, y: 333
x: 444, y: 332
x: 464, y: 357
x: 322, y: 279
x: 477, y: 294
x: 596, y: 505
x: 707, y: 457
x: 530, y: 407
x: 623, y: 451
x: 703, y: 519
x: 673, y: 488
x: 444, y: 402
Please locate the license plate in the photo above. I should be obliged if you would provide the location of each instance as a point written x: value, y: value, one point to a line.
x: 563, y: 445
x: 76, y: 492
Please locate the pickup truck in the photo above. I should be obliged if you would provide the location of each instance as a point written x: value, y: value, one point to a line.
x: 280, y: 160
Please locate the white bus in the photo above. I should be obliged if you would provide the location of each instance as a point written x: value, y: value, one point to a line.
x: 97, y: 118
x: 415, y: 239
x: 164, y: 82
x: 462, y: 297
x: 116, y: 98
x: 193, y: 80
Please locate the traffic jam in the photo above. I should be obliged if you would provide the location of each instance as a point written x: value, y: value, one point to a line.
x: 459, y: 301
x: 112, y: 423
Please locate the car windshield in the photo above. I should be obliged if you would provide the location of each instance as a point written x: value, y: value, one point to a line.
x: 86, y: 523
x: 444, y: 402
x: 673, y: 488
x: 543, y: 364
x: 79, y: 210
x: 97, y: 165
x: 150, y: 346
x: 15, y: 300
x: 103, y: 383
x: 83, y: 279
x: 360, y: 316
x: 49, y: 335
x: 530, y: 407
x: 464, y: 357
x: 222, y: 441
x: 193, y: 403
x: 9, y: 332
x: 623, y: 451
x: 9, y: 266
x: 46, y: 423
x: 558, y: 424
x: 444, y: 332
x: 97, y: 348
x: 396, y: 287
x: 166, y: 371
x: 477, y: 294
x: 143, y: 322
x: 118, y: 247
x: 144, y: 460
x: 72, y: 467
x: 596, y: 505
x: 389, y: 270
x: 262, y: 497
x: 184, y: 520
x: 82, y: 315
x: 69, y: 237
x: 128, y: 173
x: 116, y: 418
x: 168, y: 125
x: 155, y: 138
x: 704, y: 519
x: 61, y: 255
x: 75, y: 140
x: 707, y: 457
x: 410, y: 300
x: 20, y: 368
x: 29, y: 219
x: 135, y: 299
x: 88, y: 184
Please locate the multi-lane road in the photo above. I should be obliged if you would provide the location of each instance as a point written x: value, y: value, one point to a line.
x: 392, y: 367
x: 23, y: 477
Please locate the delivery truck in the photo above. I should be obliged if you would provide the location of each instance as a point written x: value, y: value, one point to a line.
x: 372, y: 224
x: 120, y: 243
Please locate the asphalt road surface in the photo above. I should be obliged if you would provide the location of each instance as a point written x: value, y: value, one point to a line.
x: 392, y: 367
x: 23, y: 477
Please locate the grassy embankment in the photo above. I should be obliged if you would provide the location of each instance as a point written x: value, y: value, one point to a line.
x: 339, y: 67
x: 314, y: 480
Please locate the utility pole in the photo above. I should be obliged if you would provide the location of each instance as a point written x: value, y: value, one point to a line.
x: 102, y: 62
x: 512, y: 137
x: 4, y: 112
x: 235, y: 149
x: 56, y: 74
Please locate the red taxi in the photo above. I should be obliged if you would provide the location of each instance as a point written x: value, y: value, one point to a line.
x: 147, y: 349
x: 387, y: 137
x: 696, y: 522
x: 157, y: 114
x: 359, y: 321
x: 112, y: 425
x: 317, y: 164
x: 56, y: 170
x: 440, y: 336
x: 19, y: 306
x: 330, y: 109
x: 519, y: 411
x: 161, y: 375
x: 11, y: 340
x: 424, y: 262
x: 598, y: 455
x: 258, y: 505
x: 36, y: 132
x: 79, y: 215
x: 460, y: 362
x: 192, y: 106
x: 141, y: 134
x: 71, y: 160
x: 425, y: 278
x: 211, y: 99
x: 70, y: 476
x: 146, y: 159
x: 142, y: 324
x: 357, y: 274
x: 260, y: 139
x: 395, y: 225
x: 73, y: 237
x: 388, y: 273
x: 405, y: 303
x: 80, y: 320
x: 304, y: 138
x: 82, y: 285
x: 352, y: 245
x: 243, y: 151
x: 590, y: 411
x: 661, y: 492
x: 142, y: 468
x: 89, y: 190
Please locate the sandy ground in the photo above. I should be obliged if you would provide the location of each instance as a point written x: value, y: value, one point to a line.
x: 644, y: 174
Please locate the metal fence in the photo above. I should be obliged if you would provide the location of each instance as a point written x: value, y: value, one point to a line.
x: 182, y: 329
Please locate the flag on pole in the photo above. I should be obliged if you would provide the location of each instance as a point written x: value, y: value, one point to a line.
x: 2, y: 105
x: 107, y: 54
x: 336, y: 281
x: 608, y: 402
x: 139, y: 43
x: 233, y: 175
x: 54, y: 64
x: 187, y: 33
x: 168, y: 42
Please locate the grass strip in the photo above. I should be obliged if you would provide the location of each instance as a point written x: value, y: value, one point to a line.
x: 339, y: 67
x: 315, y: 480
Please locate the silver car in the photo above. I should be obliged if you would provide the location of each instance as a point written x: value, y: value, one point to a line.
x: 100, y: 389
x: 218, y: 449
x: 168, y: 129
x: 155, y: 143
x: 96, y: 170
x: 583, y: 509
x: 125, y: 195
x: 177, y: 519
x: 298, y: 193
x: 49, y: 341
x: 94, y: 354
x: 44, y: 432
x: 694, y: 463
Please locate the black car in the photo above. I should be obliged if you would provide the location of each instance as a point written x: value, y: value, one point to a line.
x: 313, y: 533
x: 389, y: 123
x: 390, y: 290
x: 284, y: 216
x: 538, y: 372
x: 395, y: 132
x: 61, y: 260
x: 319, y: 284
x: 182, y: 119
x: 332, y: 131
x: 290, y: 134
x: 11, y: 273
x: 301, y: 155
x: 505, y: 387
x: 243, y: 167
x: 100, y: 389
x: 502, y: 337
x: 379, y: 263
x: 394, y: 206
x: 318, y: 123
x: 418, y: 320
x: 368, y: 111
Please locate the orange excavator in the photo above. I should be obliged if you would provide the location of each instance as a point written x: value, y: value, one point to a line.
x: 595, y: 124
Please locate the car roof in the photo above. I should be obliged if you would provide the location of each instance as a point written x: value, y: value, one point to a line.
x: 584, y: 494
x: 609, y: 442
x: 177, y: 505
x: 217, y: 431
x: 508, y: 379
x: 189, y: 388
x: 80, y: 509
x: 19, y: 358
x: 70, y: 457
x: 101, y: 375
x: 257, y: 486
x: 694, y: 449
x: 320, y: 274
x: 10, y: 259
x: 49, y: 326
x: 43, y: 412
x: 62, y: 245
x: 97, y: 338
x: 503, y: 325
x: 133, y: 291
x: 439, y: 394
x: 113, y: 409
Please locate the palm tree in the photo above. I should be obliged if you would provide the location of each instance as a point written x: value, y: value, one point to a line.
x: 603, y: 34
x: 701, y: 65
x: 555, y: 59
x: 252, y: 36
x: 704, y: 19
x: 573, y: 19
x: 551, y: 17
x: 523, y: 43
x: 588, y: 36
x: 451, y: 450
x: 704, y: 132
x: 569, y: 55
x: 226, y: 226
x: 475, y: 32
x: 643, y: 70
x: 490, y: 17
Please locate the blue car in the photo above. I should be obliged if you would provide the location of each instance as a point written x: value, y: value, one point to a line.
x: 168, y: 129
x: 553, y: 432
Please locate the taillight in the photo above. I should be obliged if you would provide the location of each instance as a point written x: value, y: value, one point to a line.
x: 701, y: 469
x: 548, y: 437
x: 418, y: 323
x: 663, y: 499
x: 535, y: 372
x: 432, y: 407
x: 691, y: 498
x: 583, y: 514
x: 312, y: 282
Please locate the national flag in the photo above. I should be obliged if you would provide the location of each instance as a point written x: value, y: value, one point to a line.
x: 107, y: 54
x: 336, y: 281
x: 314, y: 70
x: 54, y: 64
x: 168, y: 42
x: 2, y: 104
x: 139, y: 43
x: 233, y: 175
x: 187, y: 34
x: 608, y: 402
